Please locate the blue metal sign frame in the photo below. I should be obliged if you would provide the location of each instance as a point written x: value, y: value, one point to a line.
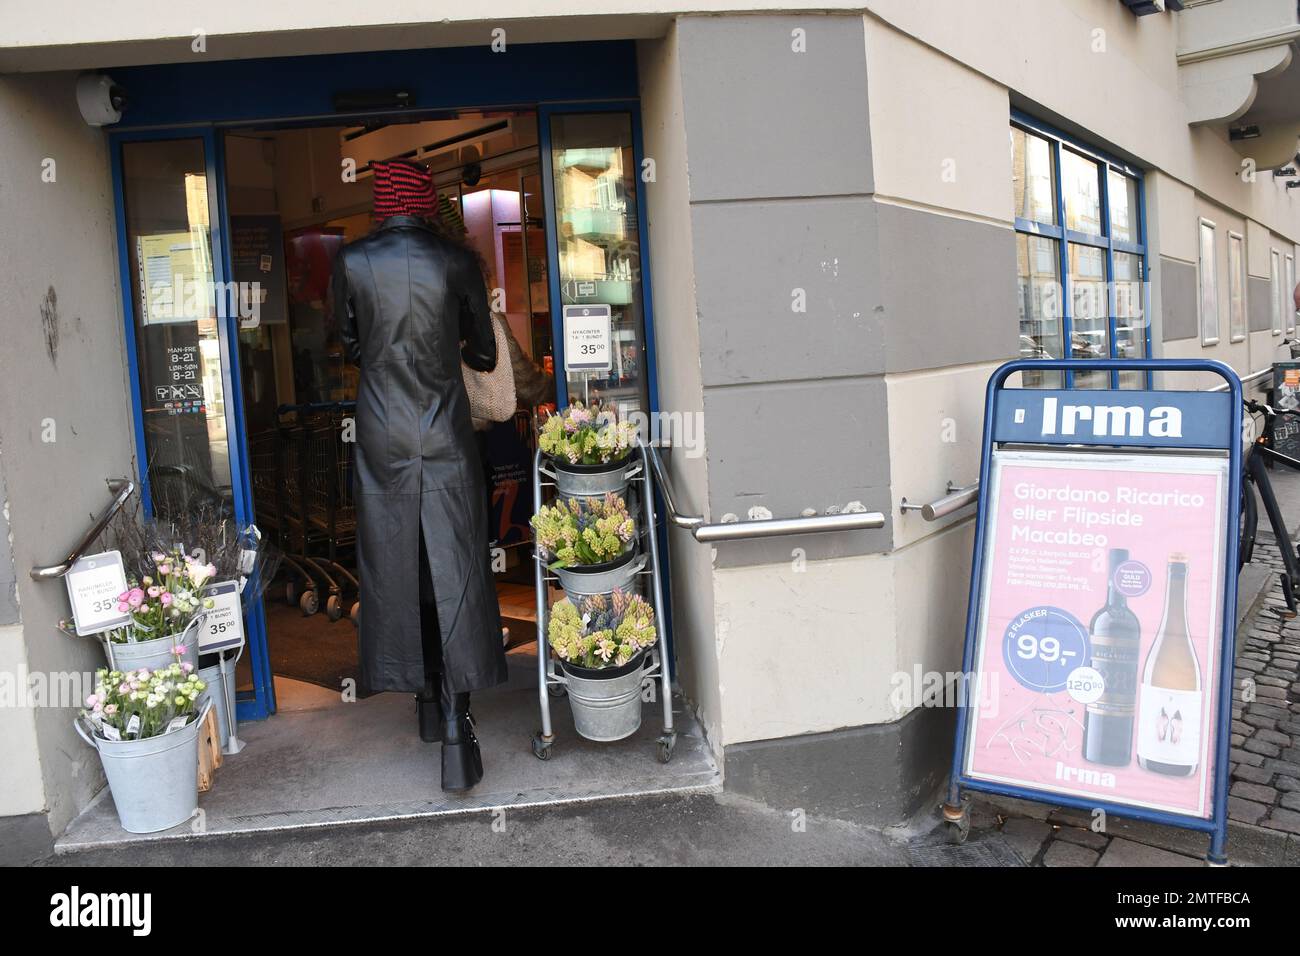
x: 1223, y: 434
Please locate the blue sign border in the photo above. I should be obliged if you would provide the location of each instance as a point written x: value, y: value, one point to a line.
x: 1215, y: 418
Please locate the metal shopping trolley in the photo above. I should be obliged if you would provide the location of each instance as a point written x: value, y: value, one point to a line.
x: 270, y: 504
x: 312, y: 447
x: 329, y: 515
x: 551, y: 680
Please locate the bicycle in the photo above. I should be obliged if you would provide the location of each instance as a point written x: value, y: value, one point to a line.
x: 1257, y: 457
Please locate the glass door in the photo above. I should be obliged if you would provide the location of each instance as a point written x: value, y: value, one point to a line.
x: 178, y: 346
x: 596, y: 244
x: 182, y: 315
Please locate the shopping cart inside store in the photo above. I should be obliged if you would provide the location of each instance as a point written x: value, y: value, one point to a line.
x: 302, y: 486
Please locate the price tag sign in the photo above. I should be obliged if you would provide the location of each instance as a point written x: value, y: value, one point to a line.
x: 94, y: 584
x: 223, y: 628
x: 588, y: 343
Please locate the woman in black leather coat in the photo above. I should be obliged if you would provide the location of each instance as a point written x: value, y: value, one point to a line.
x: 410, y: 303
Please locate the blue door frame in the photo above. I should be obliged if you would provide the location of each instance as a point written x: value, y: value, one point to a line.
x: 551, y: 78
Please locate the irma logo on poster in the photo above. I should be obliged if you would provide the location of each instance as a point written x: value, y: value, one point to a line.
x: 1101, y: 626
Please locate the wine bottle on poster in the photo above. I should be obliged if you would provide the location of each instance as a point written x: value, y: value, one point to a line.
x: 1115, y: 637
x: 1170, y: 697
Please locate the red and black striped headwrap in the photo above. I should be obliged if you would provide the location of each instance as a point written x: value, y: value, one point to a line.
x: 403, y: 189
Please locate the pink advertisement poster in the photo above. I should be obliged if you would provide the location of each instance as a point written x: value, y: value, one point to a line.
x: 1099, y: 636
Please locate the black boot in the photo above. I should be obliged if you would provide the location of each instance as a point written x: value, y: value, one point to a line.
x: 462, y: 764
x: 428, y: 709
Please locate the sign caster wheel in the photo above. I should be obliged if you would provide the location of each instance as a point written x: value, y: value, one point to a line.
x: 958, y: 821
x: 355, y: 614
x: 557, y: 690
x: 542, y: 748
x: 309, y: 603
x: 334, y: 607
x: 666, y: 745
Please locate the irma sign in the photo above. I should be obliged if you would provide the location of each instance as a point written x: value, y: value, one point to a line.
x: 1098, y: 641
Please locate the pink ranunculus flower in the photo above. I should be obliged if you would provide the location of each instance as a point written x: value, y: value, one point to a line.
x: 142, y: 674
x: 123, y: 596
x: 153, y: 592
x: 178, y: 650
x: 136, y: 597
x: 110, y: 710
x: 158, y: 557
x: 186, y: 666
x: 124, y: 688
x: 92, y: 701
x: 164, y: 569
x: 166, y: 598
x: 123, y: 608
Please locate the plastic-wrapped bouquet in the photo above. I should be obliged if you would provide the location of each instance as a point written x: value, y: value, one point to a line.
x: 587, y: 436
x: 134, y: 705
x: 164, y: 602
x: 601, y: 630
x: 584, y: 531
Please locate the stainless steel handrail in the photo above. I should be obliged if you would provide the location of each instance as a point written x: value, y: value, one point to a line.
x: 686, y: 522
x: 755, y: 528
x: 1245, y: 380
x: 776, y: 527
x: 122, y: 489
x: 956, y: 499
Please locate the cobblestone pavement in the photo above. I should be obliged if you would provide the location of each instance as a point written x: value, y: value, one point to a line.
x: 1264, y: 794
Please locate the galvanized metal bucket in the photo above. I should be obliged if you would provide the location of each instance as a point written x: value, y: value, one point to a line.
x: 605, y: 707
x: 579, y: 583
x: 591, y: 481
x: 216, y: 692
x: 155, y: 781
x: 156, y: 653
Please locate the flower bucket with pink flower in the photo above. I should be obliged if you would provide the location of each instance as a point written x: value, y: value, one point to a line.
x: 167, y: 610
x: 145, y: 725
x: 590, y: 450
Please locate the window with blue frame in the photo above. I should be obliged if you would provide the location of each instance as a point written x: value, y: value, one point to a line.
x: 1080, y: 257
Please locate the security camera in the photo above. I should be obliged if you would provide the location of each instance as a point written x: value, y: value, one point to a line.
x: 99, y: 99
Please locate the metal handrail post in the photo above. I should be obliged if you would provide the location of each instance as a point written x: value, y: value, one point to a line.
x: 665, y: 668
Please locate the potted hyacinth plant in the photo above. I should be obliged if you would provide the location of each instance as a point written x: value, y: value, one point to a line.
x: 145, y: 725
x: 590, y: 449
x: 166, y: 607
x: 601, y: 641
x: 590, y: 543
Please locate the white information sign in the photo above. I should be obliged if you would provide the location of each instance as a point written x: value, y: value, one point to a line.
x: 223, y: 627
x: 95, y: 583
x: 587, y: 340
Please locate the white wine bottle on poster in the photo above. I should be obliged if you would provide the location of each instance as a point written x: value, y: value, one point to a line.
x: 1170, y: 697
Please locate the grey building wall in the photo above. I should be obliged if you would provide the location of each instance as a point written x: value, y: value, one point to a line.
x: 786, y: 271
x: 1259, y: 304
x: 1178, y: 307
x: 63, y: 376
x: 677, y: 339
x: 808, y: 291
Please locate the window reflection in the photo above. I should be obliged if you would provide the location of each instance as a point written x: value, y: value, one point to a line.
x: 1082, y: 189
x: 1039, y: 300
x: 599, y: 249
x: 1032, y: 177
x: 177, y: 311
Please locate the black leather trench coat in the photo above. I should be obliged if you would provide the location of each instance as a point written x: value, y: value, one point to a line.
x: 405, y: 299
